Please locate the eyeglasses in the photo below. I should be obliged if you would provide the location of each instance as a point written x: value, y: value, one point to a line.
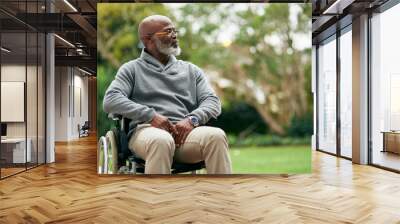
x: 168, y: 32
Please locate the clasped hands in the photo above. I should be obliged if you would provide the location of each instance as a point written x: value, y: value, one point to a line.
x: 179, y: 131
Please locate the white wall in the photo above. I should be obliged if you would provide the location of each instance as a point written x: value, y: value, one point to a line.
x: 33, y: 126
x: 71, y: 87
x: 14, y: 73
x: 61, y: 103
x: 80, y: 101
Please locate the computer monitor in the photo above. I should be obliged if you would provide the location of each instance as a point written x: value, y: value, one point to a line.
x: 3, y: 129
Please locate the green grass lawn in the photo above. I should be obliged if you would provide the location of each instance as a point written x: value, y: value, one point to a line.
x: 273, y: 159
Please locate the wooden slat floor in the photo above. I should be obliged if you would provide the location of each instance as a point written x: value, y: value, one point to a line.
x: 10, y: 171
x: 70, y: 191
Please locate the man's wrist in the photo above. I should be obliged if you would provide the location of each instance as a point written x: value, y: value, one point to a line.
x: 194, y: 120
x: 151, y: 117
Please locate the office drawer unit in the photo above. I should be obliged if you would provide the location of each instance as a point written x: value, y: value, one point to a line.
x: 14, y: 150
x: 391, y: 141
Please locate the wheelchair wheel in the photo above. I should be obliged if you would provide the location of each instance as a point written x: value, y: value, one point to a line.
x: 101, y: 158
x: 112, y: 153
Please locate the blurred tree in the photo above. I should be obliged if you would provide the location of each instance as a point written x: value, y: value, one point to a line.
x: 240, y: 119
x: 301, y: 126
x: 261, y: 64
x: 117, y: 30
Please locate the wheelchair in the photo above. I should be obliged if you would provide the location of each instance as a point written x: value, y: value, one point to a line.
x: 114, y: 156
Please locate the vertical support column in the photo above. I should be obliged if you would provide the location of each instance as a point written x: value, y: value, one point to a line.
x: 50, y: 93
x: 360, y: 90
x: 314, y: 93
x: 70, y: 130
x: 92, y: 102
x: 1, y: 31
x: 338, y: 96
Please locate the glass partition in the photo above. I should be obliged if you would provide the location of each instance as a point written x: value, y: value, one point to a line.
x: 31, y: 99
x: 346, y: 93
x: 14, y: 153
x: 327, y: 96
x: 22, y: 89
x: 385, y: 89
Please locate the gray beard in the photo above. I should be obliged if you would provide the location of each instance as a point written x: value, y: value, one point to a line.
x: 167, y: 50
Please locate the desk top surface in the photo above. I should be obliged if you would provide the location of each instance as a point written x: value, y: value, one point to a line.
x: 390, y: 132
x: 13, y: 140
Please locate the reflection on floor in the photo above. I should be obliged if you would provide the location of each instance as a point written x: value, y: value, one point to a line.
x: 9, y: 171
x: 387, y: 159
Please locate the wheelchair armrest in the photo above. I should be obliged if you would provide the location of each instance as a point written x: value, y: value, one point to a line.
x: 115, y: 117
x: 122, y: 123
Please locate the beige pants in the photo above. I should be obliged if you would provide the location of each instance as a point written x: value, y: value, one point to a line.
x: 157, y: 147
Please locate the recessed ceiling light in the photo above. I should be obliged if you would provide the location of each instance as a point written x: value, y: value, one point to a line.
x: 70, y: 5
x: 64, y: 40
x: 5, y: 50
x: 84, y: 71
x: 337, y: 7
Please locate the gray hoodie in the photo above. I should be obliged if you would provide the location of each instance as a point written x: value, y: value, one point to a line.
x: 144, y: 86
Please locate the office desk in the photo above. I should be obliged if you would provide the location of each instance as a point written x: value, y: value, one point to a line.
x: 391, y: 141
x: 13, y: 150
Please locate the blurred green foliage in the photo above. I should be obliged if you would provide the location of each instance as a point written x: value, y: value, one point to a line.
x: 239, y: 118
x: 104, y: 77
x: 301, y: 126
x: 257, y: 140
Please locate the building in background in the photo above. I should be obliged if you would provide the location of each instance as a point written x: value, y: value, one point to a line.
x: 356, y: 81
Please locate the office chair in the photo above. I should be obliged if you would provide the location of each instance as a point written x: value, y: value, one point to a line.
x: 114, y: 155
x: 84, y: 129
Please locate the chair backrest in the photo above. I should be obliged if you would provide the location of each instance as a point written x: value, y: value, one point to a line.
x: 125, y: 126
x: 86, y: 125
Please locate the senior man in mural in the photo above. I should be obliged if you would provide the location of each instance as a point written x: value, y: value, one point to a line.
x: 168, y: 101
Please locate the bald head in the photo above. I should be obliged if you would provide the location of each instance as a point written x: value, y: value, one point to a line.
x: 159, y: 37
x: 152, y: 24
